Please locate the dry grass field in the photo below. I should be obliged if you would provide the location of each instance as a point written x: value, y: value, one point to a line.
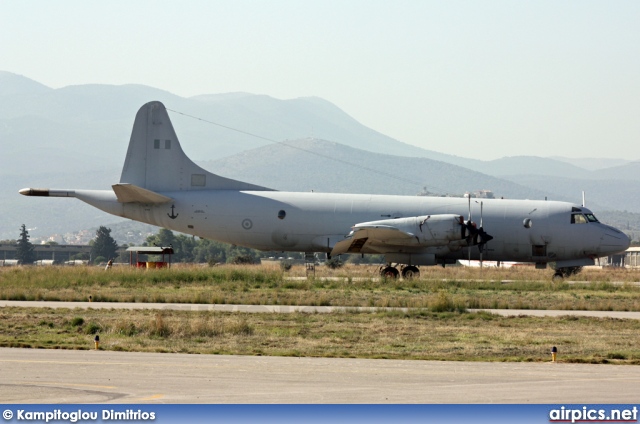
x: 514, y: 288
x: 439, y: 328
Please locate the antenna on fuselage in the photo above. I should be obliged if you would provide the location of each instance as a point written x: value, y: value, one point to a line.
x: 583, y: 202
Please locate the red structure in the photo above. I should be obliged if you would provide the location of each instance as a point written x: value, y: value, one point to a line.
x: 166, y: 253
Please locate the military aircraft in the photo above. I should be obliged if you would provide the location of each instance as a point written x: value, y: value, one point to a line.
x: 161, y: 186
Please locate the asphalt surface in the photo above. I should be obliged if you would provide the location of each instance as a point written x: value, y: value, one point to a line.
x: 93, y: 376
x: 66, y: 376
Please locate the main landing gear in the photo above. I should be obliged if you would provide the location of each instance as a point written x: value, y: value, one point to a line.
x: 389, y: 272
x: 407, y: 271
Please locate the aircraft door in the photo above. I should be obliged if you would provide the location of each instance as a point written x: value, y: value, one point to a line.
x: 537, y: 225
x: 528, y: 237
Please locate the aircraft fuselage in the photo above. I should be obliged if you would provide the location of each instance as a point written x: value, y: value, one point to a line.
x: 314, y: 222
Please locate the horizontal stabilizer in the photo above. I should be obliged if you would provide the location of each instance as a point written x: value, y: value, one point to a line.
x: 129, y: 193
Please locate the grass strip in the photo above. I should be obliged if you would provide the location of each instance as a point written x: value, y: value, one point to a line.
x: 418, y: 334
x: 611, y: 290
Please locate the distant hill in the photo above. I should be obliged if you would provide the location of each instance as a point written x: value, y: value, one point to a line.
x: 89, y: 125
x: 591, y: 164
x: 628, y: 171
x: 13, y: 84
x: 93, y: 122
x: 621, y: 195
x: 327, y: 166
x: 531, y: 165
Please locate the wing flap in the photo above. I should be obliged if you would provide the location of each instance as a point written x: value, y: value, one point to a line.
x: 373, y: 234
x: 129, y: 193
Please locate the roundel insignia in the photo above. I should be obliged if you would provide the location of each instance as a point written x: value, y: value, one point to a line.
x: 247, y: 224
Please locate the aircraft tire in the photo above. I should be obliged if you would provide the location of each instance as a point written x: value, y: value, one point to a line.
x: 389, y: 272
x: 566, y: 272
x: 410, y: 271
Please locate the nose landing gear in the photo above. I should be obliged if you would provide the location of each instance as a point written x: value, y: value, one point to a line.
x: 566, y: 272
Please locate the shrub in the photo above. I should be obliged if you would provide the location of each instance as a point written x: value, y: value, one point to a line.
x: 77, y: 321
x: 92, y: 328
x: 334, y: 263
x: 159, y: 327
x: 285, y: 266
x: 243, y: 260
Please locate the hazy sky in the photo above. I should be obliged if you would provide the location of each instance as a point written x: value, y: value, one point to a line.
x: 481, y: 79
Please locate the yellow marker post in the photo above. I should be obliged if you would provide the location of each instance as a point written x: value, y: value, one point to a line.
x: 554, y: 352
x: 96, y: 340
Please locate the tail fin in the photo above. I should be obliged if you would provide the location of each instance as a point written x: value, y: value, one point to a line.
x: 155, y: 161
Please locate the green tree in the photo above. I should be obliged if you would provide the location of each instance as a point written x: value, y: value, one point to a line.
x: 209, y: 251
x: 241, y: 255
x: 104, y: 245
x: 189, y: 249
x: 184, y: 246
x: 164, y: 238
x: 25, y: 253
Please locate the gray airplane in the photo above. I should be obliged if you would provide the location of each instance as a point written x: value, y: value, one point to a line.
x: 161, y: 186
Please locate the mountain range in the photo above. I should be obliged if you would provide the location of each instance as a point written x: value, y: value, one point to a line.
x: 77, y: 136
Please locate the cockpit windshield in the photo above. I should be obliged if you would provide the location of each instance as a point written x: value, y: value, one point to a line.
x: 579, y: 218
x: 591, y: 217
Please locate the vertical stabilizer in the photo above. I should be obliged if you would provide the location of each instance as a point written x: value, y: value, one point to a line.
x: 155, y: 161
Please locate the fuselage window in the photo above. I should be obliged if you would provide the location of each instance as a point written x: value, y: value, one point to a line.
x: 578, y: 218
x: 591, y: 217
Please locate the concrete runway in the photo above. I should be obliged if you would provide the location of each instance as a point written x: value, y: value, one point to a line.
x: 291, y: 309
x: 65, y: 376
x: 59, y: 376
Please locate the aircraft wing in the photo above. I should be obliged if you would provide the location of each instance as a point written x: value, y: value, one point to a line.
x: 375, y: 234
x: 414, y: 233
x: 129, y: 193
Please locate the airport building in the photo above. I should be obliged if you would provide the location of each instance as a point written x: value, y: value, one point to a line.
x: 54, y: 254
x: 57, y: 253
x: 632, y: 257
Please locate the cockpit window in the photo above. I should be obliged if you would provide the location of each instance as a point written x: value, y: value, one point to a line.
x: 591, y: 217
x: 578, y: 218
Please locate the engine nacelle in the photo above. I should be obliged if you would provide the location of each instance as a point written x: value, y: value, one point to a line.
x: 429, y: 230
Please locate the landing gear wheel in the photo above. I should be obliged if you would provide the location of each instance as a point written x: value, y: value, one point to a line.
x: 566, y: 272
x: 410, y: 271
x: 389, y: 272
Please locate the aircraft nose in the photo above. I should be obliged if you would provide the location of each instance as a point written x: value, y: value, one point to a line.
x: 614, y: 241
